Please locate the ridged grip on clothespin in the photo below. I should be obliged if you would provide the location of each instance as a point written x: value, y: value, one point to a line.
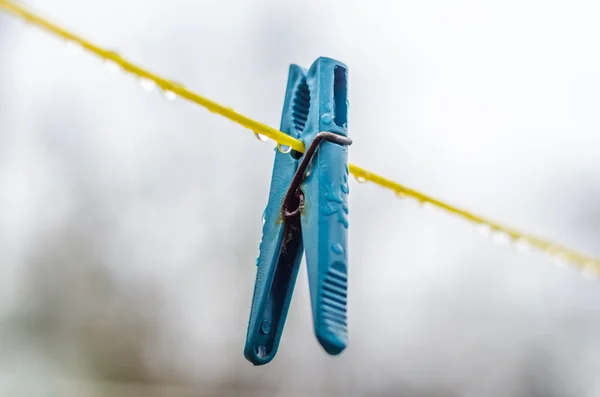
x: 325, y: 216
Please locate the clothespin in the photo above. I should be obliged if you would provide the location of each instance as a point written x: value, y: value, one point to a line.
x: 307, y: 211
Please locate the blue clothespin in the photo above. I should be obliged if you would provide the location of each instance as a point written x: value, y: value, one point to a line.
x: 307, y: 211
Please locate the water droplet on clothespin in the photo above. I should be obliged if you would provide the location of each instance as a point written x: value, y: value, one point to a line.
x: 73, y: 47
x: 327, y: 118
x: 484, y: 229
x: 169, y: 95
x: 309, y: 170
x: 500, y: 237
x: 360, y: 178
x: 265, y: 327
x: 285, y: 149
x: 262, y: 351
x: 261, y: 137
x: 147, y: 84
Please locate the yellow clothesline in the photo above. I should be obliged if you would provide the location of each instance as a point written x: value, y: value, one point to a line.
x: 521, y: 240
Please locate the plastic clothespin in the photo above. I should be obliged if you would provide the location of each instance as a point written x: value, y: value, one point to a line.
x: 307, y: 211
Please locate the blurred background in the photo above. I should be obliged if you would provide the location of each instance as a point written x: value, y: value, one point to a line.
x: 129, y: 225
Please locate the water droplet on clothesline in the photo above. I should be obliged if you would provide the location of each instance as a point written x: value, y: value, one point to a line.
x: 111, y: 66
x: 500, y: 237
x: 73, y: 47
x: 169, y: 95
x: 147, y: 84
x: 261, y: 137
x: 484, y: 229
x: 427, y: 206
x: 522, y: 245
x: 588, y: 271
x: 285, y: 149
x: 401, y: 195
x: 557, y: 260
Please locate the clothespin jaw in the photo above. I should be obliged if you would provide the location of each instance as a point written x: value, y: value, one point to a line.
x: 307, y: 208
x: 325, y: 215
x: 277, y: 268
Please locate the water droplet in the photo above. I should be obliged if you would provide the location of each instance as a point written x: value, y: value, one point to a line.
x: 523, y: 245
x: 501, y: 238
x: 147, y: 84
x: 344, y: 221
x: 265, y: 327
x: 25, y: 21
x: 427, y: 206
x: 261, y: 137
x: 400, y: 195
x: 262, y: 351
x: 309, y: 170
x: 345, y: 126
x: 111, y: 66
x: 557, y: 260
x: 169, y: 95
x: 588, y: 272
x: 360, y: 179
x: 484, y: 229
x: 327, y: 118
x: 74, y: 47
x: 285, y: 149
x: 337, y: 248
